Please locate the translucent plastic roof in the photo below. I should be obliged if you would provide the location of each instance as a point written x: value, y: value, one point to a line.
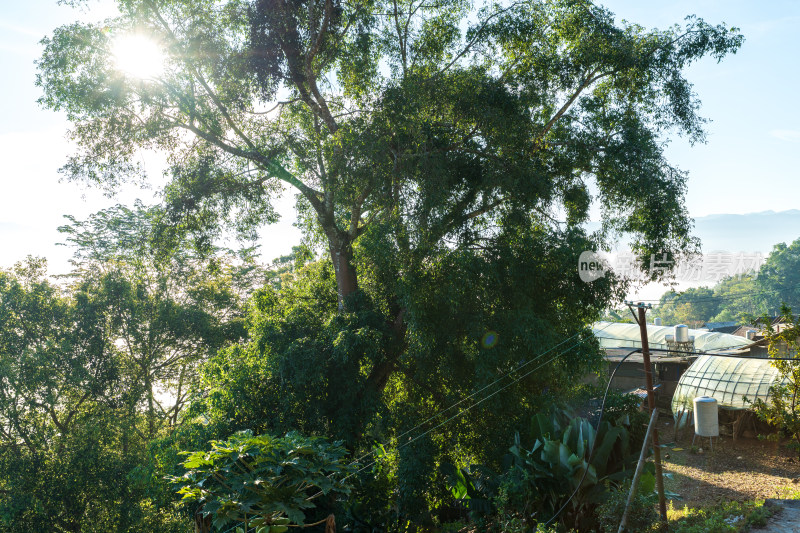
x: 612, y: 334
x: 729, y: 380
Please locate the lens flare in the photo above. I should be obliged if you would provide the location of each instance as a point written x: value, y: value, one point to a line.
x: 489, y: 339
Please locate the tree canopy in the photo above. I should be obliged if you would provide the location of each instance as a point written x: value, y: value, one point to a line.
x: 435, y: 123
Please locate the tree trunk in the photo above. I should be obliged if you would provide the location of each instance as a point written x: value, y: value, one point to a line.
x: 346, y: 277
x: 151, y: 412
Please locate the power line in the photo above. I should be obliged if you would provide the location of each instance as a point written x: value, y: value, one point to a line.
x: 442, y: 411
x: 599, y: 421
x: 707, y: 299
x: 462, y: 411
x: 466, y: 409
x: 594, y: 444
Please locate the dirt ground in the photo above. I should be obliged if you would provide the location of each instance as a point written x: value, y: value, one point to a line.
x: 744, y: 469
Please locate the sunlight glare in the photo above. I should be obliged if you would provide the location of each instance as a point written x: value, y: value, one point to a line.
x: 138, y: 56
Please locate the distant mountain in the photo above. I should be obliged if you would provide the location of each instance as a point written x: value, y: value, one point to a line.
x: 753, y: 232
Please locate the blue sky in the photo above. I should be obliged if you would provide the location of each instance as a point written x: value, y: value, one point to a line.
x: 749, y: 164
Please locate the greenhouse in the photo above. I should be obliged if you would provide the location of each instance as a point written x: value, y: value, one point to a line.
x: 613, y: 335
x: 735, y: 382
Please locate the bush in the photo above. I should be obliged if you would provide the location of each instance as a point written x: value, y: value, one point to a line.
x: 783, y: 410
x: 263, y: 481
x: 642, y: 514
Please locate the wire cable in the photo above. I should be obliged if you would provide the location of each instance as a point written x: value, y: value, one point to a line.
x: 594, y: 444
x: 466, y: 409
x: 706, y: 299
x: 442, y: 411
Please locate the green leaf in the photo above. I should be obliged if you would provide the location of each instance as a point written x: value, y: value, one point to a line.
x: 647, y: 483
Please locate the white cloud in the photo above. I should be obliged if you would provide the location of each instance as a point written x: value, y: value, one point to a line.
x: 786, y: 135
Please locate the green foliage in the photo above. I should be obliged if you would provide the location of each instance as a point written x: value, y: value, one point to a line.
x: 81, y: 368
x: 68, y: 445
x: 429, y: 172
x: 165, y: 310
x: 782, y: 410
x: 692, y: 307
x: 779, y: 277
x: 540, y: 480
x: 483, y: 116
x: 642, y: 514
x: 474, y: 487
x: 263, y: 482
x: 311, y: 368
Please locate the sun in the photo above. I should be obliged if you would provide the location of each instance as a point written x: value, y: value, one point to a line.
x: 138, y: 56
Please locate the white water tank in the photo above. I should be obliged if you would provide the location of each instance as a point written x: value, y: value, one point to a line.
x: 751, y: 334
x: 681, y: 333
x: 657, y: 321
x: 706, y: 417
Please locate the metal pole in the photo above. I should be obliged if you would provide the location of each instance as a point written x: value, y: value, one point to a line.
x: 651, y: 404
x: 638, y: 473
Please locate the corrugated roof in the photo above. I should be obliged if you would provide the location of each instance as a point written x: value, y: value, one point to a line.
x: 716, y: 325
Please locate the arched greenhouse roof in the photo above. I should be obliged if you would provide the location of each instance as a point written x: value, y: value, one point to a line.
x: 613, y: 335
x: 729, y: 380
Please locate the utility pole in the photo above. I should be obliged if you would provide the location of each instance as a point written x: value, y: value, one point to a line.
x: 651, y: 404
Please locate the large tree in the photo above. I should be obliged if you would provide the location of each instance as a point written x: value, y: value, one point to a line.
x: 779, y: 278
x: 444, y: 156
x: 92, y: 371
x: 166, y: 310
x: 60, y: 445
x: 434, y: 118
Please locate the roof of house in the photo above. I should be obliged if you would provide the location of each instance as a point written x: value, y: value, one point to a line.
x: 741, y: 331
x: 615, y: 355
x: 780, y: 319
x: 721, y: 327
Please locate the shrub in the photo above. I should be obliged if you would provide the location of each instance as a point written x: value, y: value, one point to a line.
x: 642, y: 513
x: 262, y: 481
x: 783, y: 410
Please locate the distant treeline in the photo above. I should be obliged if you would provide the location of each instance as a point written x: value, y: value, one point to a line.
x: 738, y: 299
